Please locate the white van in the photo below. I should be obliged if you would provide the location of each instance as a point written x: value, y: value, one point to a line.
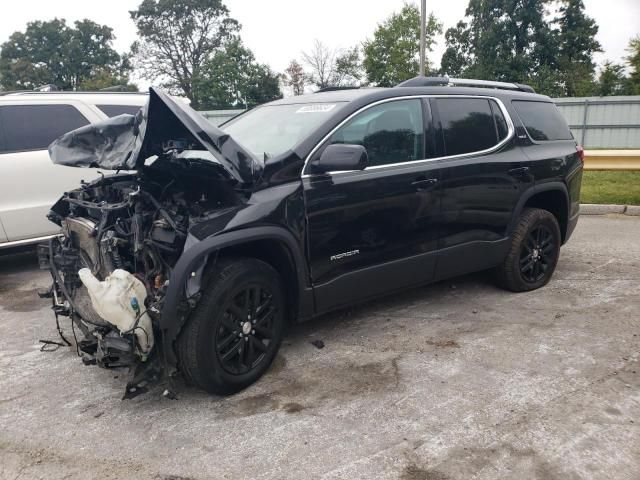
x: 29, y: 182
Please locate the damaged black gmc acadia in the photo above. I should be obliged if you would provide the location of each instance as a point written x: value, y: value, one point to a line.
x: 195, y: 260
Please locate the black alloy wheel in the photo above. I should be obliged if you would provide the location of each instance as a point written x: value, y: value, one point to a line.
x: 235, y: 331
x: 533, y: 253
x: 246, y: 329
x: 538, y: 254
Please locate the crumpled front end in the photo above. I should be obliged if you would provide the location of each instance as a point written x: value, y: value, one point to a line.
x: 123, y: 234
x: 126, y: 141
x: 111, y: 268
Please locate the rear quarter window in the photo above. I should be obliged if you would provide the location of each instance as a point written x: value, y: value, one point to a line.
x: 34, y: 127
x: 543, y: 120
x: 115, y: 110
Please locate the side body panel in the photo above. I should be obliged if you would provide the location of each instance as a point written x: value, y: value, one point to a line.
x: 3, y: 234
x: 360, y: 223
x: 555, y: 166
x: 31, y: 183
x: 479, y: 198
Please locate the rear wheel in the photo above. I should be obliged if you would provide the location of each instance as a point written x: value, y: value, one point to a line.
x: 534, y: 252
x: 235, y: 331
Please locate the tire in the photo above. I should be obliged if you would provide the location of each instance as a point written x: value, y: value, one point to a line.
x: 533, y: 254
x: 231, y: 339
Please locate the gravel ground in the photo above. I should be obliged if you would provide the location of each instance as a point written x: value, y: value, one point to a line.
x: 457, y: 380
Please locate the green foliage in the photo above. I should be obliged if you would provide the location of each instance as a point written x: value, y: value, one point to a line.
x: 457, y: 57
x: 392, y: 55
x: 512, y: 40
x: 232, y: 78
x: 621, y: 188
x: 178, y: 37
x: 612, y: 81
x: 348, y: 70
x: 69, y: 57
x: 633, y: 59
x: 505, y: 40
x: 576, y: 46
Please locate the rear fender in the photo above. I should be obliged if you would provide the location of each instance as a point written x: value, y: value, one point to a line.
x: 530, y: 193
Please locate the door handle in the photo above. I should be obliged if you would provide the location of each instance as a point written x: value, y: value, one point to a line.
x: 519, y: 172
x: 424, y: 183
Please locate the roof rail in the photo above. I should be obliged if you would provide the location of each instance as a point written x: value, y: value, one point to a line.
x: 464, y: 82
x: 333, y: 89
x: 69, y: 92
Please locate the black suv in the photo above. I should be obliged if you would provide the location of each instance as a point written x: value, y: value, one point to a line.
x: 304, y: 205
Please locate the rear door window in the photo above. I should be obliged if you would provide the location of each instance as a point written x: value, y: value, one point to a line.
x: 542, y: 120
x: 468, y: 125
x: 34, y: 127
x: 115, y: 110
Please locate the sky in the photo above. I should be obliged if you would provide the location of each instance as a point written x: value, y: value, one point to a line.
x: 278, y: 30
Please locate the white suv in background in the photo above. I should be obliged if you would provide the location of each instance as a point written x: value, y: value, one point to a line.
x: 29, y: 182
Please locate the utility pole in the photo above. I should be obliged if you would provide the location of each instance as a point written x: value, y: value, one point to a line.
x: 423, y: 27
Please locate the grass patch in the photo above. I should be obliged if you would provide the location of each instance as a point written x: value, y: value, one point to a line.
x: 621, y: 188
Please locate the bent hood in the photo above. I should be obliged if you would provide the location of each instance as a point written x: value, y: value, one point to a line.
x: 126, y: 141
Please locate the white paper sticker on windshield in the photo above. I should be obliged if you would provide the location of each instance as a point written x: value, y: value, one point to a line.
x: 316, y: 108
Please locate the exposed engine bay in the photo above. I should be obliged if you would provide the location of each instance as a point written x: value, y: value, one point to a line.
x: 122, y: 235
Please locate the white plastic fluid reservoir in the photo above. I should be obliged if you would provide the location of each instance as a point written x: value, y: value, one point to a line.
x: 120, y: 300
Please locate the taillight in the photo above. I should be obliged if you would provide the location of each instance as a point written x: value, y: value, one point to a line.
x: 580, y: 153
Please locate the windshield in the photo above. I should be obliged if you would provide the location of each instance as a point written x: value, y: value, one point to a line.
x: 273, y: 129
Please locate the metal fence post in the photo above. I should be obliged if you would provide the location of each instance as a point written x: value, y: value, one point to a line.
x: 584, y: 122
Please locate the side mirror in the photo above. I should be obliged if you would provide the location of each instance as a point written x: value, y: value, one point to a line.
x: 341, y: 157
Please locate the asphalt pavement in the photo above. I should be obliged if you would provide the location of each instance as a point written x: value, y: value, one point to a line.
x: 457, y: 380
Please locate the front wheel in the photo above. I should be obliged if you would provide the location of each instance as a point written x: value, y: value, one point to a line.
x: 533, y: 254
x: 236, y: 329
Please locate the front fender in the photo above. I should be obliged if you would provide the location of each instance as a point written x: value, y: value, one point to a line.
x: 194, y: 257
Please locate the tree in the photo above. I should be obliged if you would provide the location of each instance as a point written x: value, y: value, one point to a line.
x: 613, y: 81
x: 392, y: 55
x: 53, y: 53
x: 322, y: 61
x: 505, y: 40
x: 577, y: 44
x: 633, y: 59
x: 457, y: 56
x: 295, y: 77
x: 232, y: 78
x: 348, y: 70
x: 177, y: 37
x: 333, y: 67
x: 520, y: 41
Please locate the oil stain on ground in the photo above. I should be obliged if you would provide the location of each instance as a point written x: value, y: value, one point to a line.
x: 414, y: 472
x: 296, y: 390
x: 443, y: 343
x: 21, y: 300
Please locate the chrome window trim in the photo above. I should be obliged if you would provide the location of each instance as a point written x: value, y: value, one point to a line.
x: 510, y: 134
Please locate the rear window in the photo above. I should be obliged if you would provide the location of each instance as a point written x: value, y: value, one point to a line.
x: 115, y: 110
x: 542, y: 120
x: 34, y: 127
x: 469, y: 124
